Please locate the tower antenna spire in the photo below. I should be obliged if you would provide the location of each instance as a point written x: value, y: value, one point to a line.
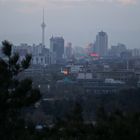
x: 43, y: 15
x: 43, y: 25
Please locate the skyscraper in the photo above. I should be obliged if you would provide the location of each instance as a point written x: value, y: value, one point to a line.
x: 101, y: 43
x: 68, y: 51
x: 57, y: 48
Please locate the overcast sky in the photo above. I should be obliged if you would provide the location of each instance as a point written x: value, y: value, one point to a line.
x: 78, y: 21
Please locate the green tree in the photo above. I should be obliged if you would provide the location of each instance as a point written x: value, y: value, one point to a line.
x: 14, y: 94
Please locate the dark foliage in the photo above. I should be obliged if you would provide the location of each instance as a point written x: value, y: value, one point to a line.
x: 14, y: 95
x: 116, y: 125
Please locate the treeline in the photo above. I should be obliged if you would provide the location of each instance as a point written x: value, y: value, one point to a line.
x: 116, y: 125
x: 125, y: 101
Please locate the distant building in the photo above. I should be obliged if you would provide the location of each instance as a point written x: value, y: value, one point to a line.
x: 136, y: 52
x: 101, y: 43
x: 83, y: 76
x: 126, y: 55
x: 57, y: 49
x: 89, y: 49
x: 22, y: 50
x: 117, y: 50
x: 98, y: 86
x: 79, y: 52
x: 40, y: 54
x: 41, y: 58
x: 121, y: 75
x: 74, y: 68
x: 68, y: 51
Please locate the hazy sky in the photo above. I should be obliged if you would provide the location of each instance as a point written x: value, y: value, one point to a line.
x: 78, y: 21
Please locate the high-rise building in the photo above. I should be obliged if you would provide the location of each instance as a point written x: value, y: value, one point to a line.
x: 101, y: 43
x: 57, y: 48
x: 68, y: 51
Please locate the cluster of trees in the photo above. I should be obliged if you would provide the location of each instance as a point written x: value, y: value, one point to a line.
x: 17, y: 95
x: 112, y: 126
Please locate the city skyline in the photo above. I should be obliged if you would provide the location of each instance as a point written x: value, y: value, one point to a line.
x: 78, y: 21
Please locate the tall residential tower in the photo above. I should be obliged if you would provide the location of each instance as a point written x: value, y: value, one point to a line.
x: 101, y: 43
x: 57, y: 49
